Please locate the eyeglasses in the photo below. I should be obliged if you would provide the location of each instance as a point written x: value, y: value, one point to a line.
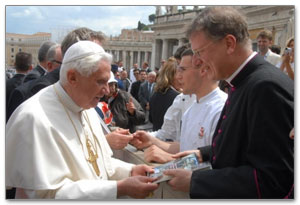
x: 182, y: 69
x: 55, y: 61
x: 199, y: 50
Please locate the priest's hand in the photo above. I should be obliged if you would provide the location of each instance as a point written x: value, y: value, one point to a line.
x: 156, y: 154
x: 141, y: 139
x: 141, y: 170
x: 181, y: 179
x: 184, y: 153
x: 136, y: 187
x: 119, y: 138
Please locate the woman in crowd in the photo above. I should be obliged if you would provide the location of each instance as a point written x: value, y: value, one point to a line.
x: 166, y: 89
x: 287, y: 64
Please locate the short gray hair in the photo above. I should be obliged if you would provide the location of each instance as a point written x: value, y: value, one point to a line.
x: 85, y: 66
x: 51, y: 54
x: 217, y: 22
x: 42, y: 54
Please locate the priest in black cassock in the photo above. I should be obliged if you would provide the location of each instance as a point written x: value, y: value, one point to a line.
x: 251, y: 154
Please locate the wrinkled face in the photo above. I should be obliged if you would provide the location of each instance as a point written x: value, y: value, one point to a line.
x: 151, y: 78
x: 263, y: 44
x: 112, y: 89
x: 187, y: 75
x: 211, y: 53
x: 89, y: 90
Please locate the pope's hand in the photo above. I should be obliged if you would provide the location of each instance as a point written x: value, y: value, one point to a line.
x: 141, y: 170
x: 136, y: 187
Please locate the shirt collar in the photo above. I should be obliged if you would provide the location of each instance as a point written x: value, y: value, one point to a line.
x: 66, y: 99
x: 43, y: 68
x: 228, y: 80
x: 267, y: 54
x: 208, y: 96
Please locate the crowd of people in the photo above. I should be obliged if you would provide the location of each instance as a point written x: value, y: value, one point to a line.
x: 216, y: 97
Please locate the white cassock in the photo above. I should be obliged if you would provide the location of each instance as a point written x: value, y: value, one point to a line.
x: 44, y: 157
x: 172, y: 119
x: 200, y: 120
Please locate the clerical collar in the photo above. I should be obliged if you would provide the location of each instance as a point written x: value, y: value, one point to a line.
x: 66, y: 99
x: 228, y: 80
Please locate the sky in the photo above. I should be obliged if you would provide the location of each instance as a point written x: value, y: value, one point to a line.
x: 108, y: 19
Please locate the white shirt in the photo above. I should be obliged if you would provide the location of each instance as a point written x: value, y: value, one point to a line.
x: 272, y: 58
x: 200, y: 120
x: 172, y: 119
x: 44, y: 157
x: 131, y: 75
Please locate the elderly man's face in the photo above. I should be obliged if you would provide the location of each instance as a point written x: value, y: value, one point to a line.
x: 151, y: 78
x: 90, y: 89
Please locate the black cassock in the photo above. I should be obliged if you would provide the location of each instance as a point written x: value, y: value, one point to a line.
x: 251, y: 154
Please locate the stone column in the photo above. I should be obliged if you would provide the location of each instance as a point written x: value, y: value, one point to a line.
x: 153, y: 54
x: 131, y: 60
x: 139, y: 59
x: 165, y: 49
x: 180, y: 42
x: 118, y: 55
x: 124, y: 58
x: 146, y: 56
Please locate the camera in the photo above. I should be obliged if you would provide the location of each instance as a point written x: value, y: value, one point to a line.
x: 287, y: 50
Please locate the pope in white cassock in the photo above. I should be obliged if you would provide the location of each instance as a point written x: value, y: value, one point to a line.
x: 55, y: 147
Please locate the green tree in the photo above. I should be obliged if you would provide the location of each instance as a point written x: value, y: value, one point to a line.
x: 151, y: 18
x: 141, y: 26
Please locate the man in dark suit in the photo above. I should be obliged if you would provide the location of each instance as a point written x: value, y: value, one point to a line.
x: 135, y: 87
x: 23, y: 65
x: 28, y: 89
x: 41, y: 68
x: 146, y: 90
x: 251, y: 153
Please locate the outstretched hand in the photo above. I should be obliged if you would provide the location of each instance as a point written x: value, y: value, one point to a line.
x: 119, y: 138
x: 185, y: 153
x: 181, y: 179
x: 141, y: 139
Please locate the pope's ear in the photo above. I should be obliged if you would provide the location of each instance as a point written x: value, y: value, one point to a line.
x: 72, y: 77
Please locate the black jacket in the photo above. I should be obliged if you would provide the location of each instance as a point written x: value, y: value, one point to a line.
x: 121, y: 116
x: 159, y: 104
x: 37, y: 72
x: 28, y: 89
x: 251, y: 154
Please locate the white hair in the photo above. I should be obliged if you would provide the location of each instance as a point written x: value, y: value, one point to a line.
x: 85, y: 66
